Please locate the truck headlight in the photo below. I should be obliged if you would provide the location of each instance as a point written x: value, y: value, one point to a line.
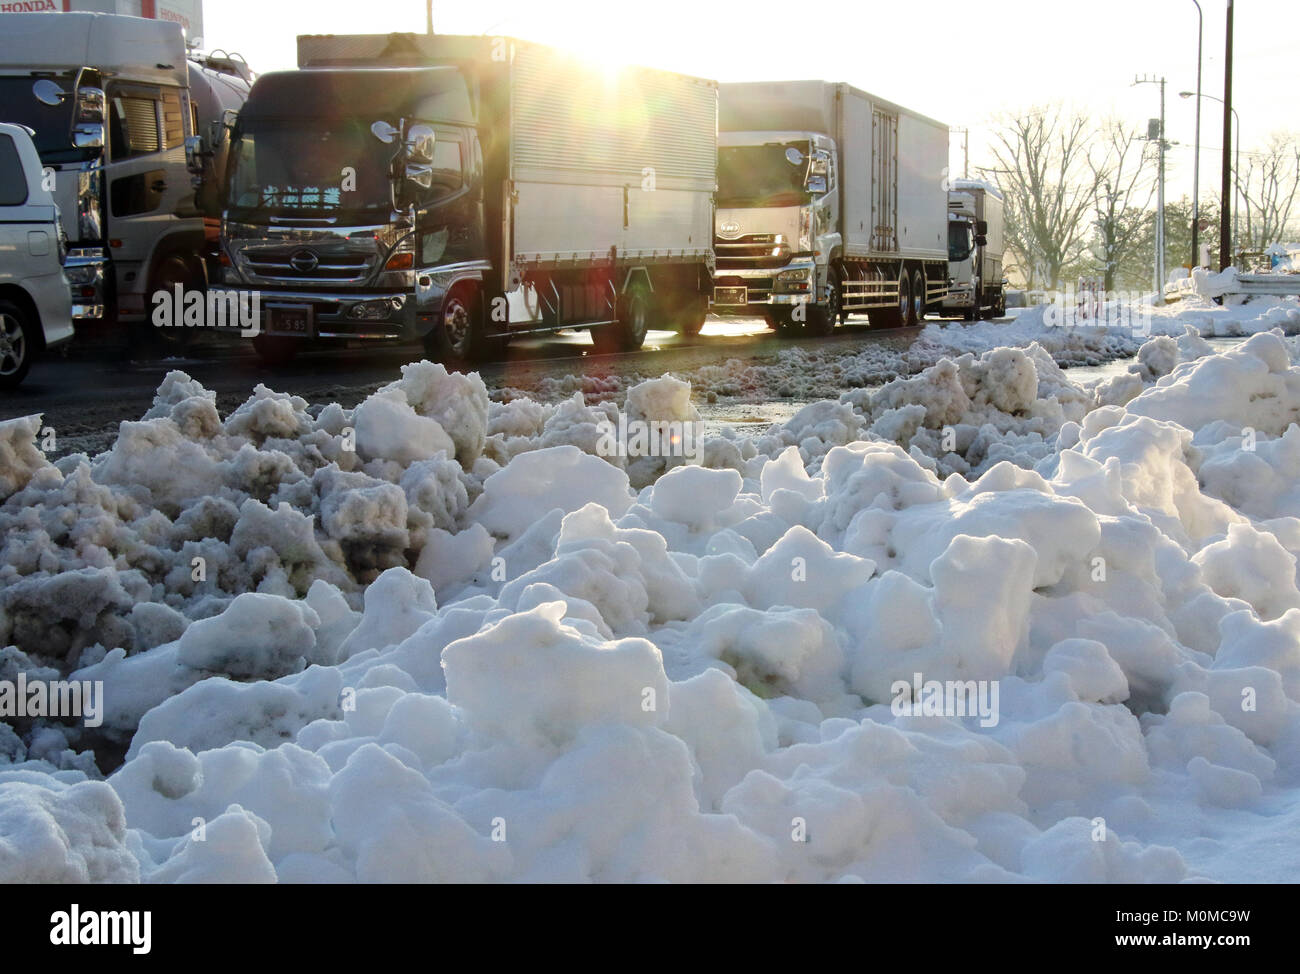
x: 797, y: 275
x: 81, y: 273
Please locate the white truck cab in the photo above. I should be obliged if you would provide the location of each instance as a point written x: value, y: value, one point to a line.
x: 114, y: 102
x: 35, y: 305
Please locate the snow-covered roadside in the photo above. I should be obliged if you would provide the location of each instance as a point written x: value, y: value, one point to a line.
x: 809, y: 372
x: 438, y: 638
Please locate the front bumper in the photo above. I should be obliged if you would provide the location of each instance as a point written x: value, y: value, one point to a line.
x: 86, y: 270
x: 795, y: 283
x: 960, y: 296
x: 368, y: 315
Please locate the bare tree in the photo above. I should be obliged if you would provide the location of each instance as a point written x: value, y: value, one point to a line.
x: 1267, y: 189
x: 1049, y: 186
x: 1124, y: 184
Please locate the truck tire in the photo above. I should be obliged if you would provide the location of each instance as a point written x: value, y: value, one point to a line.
x: 457, y: 337
x: 171, y: 270
x: 900, y: 313
x: 998, y: 309
x: 627, y: 334
x: 18, y: 342
x: 822, y: 317
x: 781, y: 320
x: 689, y: 319
x: 276, y: 349
x: 918, y: 297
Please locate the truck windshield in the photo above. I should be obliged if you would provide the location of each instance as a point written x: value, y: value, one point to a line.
x: 281, y: 167
x: 960, y: 241
x: 761, y: 175
x: 52, y: 123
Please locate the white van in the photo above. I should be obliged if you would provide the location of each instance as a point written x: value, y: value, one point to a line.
x: 35, y: 303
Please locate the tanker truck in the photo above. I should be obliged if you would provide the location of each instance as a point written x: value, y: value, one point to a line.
x: 115, y: 103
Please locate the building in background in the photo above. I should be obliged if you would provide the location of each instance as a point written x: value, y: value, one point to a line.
x: 187, y: 13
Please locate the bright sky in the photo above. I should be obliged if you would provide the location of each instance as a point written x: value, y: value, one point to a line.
x: 955, y: 66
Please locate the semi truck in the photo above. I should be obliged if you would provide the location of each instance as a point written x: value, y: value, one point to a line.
x: 830, y: 201
x: 977, y: 287
x: 466, y: 190
x: 113, y: 101
x: 35, y: 305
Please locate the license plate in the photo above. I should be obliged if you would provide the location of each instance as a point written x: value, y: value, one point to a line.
x: 731, y: 295
x: 289, y: 320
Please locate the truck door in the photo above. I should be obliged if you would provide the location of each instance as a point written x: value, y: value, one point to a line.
x: 146, y: 176
x: 884, y: 181
x: 450, y: 219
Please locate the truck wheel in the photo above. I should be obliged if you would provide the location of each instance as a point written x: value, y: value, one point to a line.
x: 276, y: 349
x: 690, y: 316
x: 170, y: 271
x: 17, y: 344
x: 1000, y: 305
x: 918, y: 297
x: 457, y: 338
x: 627, y: 334
x: 781, y: 320
x: 899, y: 314
x: 822, y: 317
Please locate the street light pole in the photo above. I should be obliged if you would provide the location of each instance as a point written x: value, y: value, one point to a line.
x: 1236, y: 164
x: 1225, y: 226
x: 1196, y: 162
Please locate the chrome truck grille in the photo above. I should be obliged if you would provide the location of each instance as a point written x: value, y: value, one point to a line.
x: 313, y: 256
x: 313, y: 264
x: 753, y: 250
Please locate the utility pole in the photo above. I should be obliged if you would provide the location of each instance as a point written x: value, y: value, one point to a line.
x: 1156, y: 131
x: 965, y: 152
x: 428, y: 16
x: 1196, y: 163
x: 1225, y: 197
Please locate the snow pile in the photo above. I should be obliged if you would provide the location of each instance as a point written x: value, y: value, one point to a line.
x: 437, y: 638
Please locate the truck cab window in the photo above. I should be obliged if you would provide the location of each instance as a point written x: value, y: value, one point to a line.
x: 133, y: 125
x: 448, y: 169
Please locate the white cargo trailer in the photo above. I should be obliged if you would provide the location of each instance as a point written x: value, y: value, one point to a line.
x: 530, y: 191
x: 830, y: 200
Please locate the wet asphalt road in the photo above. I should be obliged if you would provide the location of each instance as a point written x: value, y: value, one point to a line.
x: 84, y: 393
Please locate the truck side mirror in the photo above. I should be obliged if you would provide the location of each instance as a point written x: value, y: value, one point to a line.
x: 419, y: 143
x: 48, y: 92
x: 981, y: 240
x: 88, y: 119
x: 419, y: 174
x: 981, y: 228
x: 195, y: 160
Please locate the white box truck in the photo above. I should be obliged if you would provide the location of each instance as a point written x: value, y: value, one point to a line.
x: 35, y: 307
x: 976, y: 239
x: 113, y: 101
x: 830, y: 201
x: 464, y: 190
